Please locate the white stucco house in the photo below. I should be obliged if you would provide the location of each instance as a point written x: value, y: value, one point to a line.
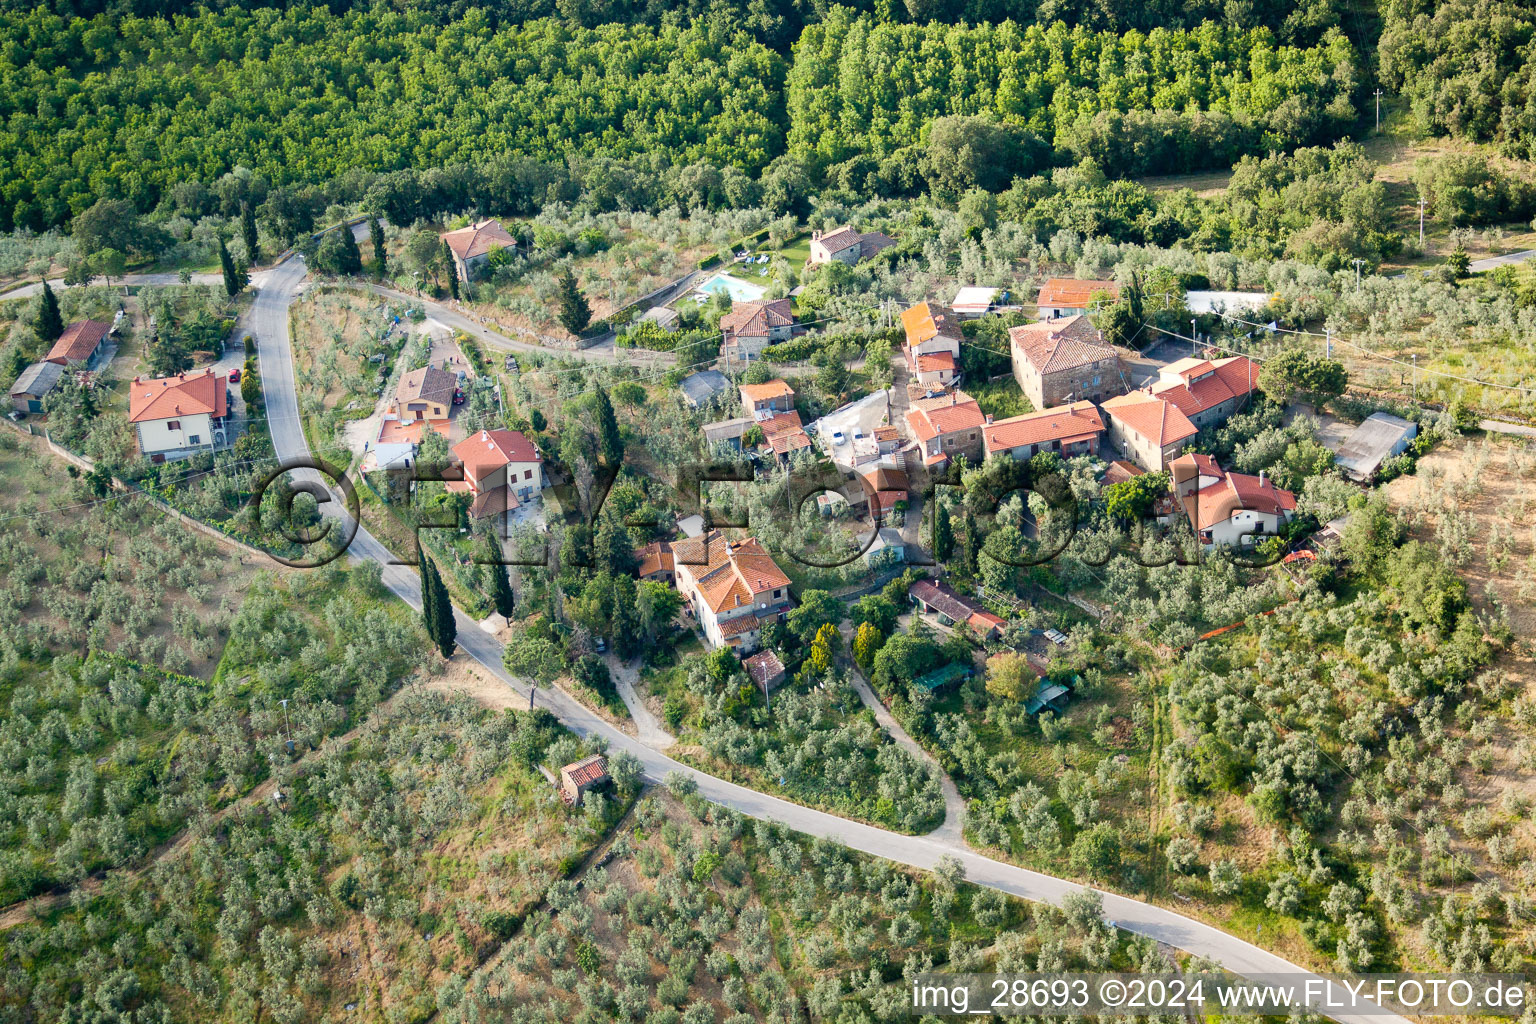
x: 174, y: 417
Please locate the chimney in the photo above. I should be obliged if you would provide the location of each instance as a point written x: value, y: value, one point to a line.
x: 1261, y: 478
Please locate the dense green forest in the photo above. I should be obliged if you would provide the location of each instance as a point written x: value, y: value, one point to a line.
x: 306, y: 95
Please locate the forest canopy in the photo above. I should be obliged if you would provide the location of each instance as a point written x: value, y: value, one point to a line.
x: 127, y: 108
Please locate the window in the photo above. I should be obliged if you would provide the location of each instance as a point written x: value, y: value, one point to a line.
x: 194, y: 439
x: 173, y: 425
x: 527, y: 474
x: 775, y: 593
x: 973, y: 435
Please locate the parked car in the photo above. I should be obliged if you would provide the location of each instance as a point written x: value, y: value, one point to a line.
x: 458, y: 397
x: 234, y: 375
x: 837, y: 437
x: 601, y: 645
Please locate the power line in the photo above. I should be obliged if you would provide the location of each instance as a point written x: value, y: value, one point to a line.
x: 1380, y: 355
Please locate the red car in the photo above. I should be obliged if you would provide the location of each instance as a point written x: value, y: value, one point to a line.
x: 234, y: 376
x: 458, y: 397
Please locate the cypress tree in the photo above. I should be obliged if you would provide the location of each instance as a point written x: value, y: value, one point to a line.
x: 428, y: 593
x: 234, y: 276
x: 453, y: 271
x: 351, y: 261
x: 248, y: 233
x: 943, y: 533
x: 574, y: 314
x: 50, y: 322
x: 447, y: 629
x: 608, y: 431
x: 501, y: 586
x: 376, y: 236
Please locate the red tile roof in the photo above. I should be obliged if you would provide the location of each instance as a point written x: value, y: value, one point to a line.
x: 655, y: 557
x: 429, y: 383
x: 922, y: 322
x: 1233, y: 493
x: 493, y: 501
x: 78, y: 342
x: 589, y: 770
x: 1062, y: 344
x: 165, y: 398
x: 491, y: 449
x: 928, y: 362
x: 1119, y: 471
x: 765, y: 668
x: 478, y: 239
x: 734, y: 573
x: 778, y: 423
x: 766, y: 391
x: 1195, y: 385
x: 757, y: 319
x: 1163, y: 422
x: 1066, y: 423
x: 840, y: 239
x: 789, y: 440
x: 1069, y: 293
x: 932, y: 417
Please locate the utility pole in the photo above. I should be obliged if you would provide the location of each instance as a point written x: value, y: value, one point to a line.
x: 1194, y: 335
x: 1421, y: 223
x: 1378, y: 110
x: 1328, y: 341
x: 1358, y: 264
x: 1415, y: 358
x: 289, y: 722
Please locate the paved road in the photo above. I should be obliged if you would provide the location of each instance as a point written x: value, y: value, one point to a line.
x: 1500, y: 427
x: 28, y: 290
x: 1501, y: 261
x: 268, y: 321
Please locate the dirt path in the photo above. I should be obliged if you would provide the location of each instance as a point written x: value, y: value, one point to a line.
x: 647, y: 726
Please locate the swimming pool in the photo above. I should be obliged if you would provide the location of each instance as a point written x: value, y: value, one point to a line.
x: 735, y: 287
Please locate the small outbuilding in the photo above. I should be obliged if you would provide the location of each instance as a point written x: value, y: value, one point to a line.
x: 1378, y: 439
x: 699, y: 388
x: 33, y: 385
x: 766, y: 670
x: 580, y: 777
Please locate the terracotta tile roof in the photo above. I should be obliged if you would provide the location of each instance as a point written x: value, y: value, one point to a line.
x: 1162, y: 422
x: 488, y: 450
x: 886, y: 432
x: 757, y: 319
x: 1233, y: 493
x: 883, y: 479
x: 929, y: 362
x: 427, y: 383
x: 766, y: 391
x: 1069, y: 293
x: 589, y: 770
x: 739, y: 625
x: 1119, y: 471
x: 478, y: 239
x: 984, y: 622
x: 493, y: 501
x: 165, y: 398
x: 1195, y: 385
x: 1051, y: 346
x: 949, y: 414
x: 655, y: 557
x: 780, y: 422
x: 1066, y: 423
x: 789, y: 441
x: 78, y: 342
x: 765, y: 668
x: 941, y: 597
x: 922, y: 322
x: 393, y: 431
x: 840, y: 238
x: 735, y: 573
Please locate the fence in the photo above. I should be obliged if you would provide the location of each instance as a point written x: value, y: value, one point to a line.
x: 128, y: 487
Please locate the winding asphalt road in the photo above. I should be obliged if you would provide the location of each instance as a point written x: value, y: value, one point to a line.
x: 268, y: 323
